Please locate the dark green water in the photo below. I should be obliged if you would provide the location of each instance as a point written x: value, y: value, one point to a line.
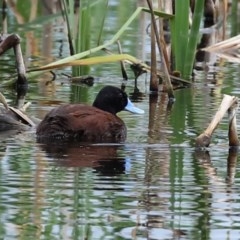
x: 155, y: 186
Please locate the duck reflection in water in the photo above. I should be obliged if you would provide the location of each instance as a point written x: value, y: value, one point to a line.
x: 65, y: 127
x: 67, y: 131
x: 105, y: 159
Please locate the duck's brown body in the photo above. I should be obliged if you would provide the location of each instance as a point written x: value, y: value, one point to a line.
x: 82, y: 123
x: 96, y: 123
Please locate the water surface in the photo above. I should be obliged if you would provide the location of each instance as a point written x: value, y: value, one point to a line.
x: 154, y: 186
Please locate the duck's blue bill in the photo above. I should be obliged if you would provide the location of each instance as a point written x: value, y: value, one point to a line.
x: 131, y: 108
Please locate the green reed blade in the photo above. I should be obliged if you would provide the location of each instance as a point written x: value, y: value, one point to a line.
x: 103, y: 13
x: 93, y: 60
x: 193, y: 39
x: 235, y: 18
x: 83, y: 35
x: 181, y: 32
x: 69, y: 17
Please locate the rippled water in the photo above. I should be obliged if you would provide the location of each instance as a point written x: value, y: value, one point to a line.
x: 154, y: 186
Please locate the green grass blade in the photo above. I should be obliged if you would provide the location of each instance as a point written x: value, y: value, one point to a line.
x: 83, y: 35
x: 93, y: 60
x: 158, y: 13
x: 104, y: 13
x: 69, y: 17
x: 193, y: 39
x: 181, y: 32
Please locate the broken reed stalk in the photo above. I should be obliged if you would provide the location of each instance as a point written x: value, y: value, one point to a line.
x: 203, y: 140
x: 8, y: 41
x: 13, y: 41
x: 19, y: 60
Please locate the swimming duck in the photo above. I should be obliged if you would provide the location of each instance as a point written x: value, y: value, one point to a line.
x: 96, y: 123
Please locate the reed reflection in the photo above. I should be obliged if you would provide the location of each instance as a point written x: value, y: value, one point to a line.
x: 220, y: 195
x: 204, y: 159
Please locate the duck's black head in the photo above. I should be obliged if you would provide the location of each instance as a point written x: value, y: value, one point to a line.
x: 111, y: 99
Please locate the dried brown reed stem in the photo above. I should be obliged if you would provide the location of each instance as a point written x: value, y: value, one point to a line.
x: 166, y: 76
x: 228, y: 102
x: 153, y: 77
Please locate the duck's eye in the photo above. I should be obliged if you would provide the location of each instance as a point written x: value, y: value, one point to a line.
x: 120, y: 95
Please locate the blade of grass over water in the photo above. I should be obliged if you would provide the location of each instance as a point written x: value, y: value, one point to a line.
x: 104, y: 13
x: 93, y: 60
x: 103, y: 59
x: 193, y: 39
x: 185, y: 38
x: 83, y: 35
x: 235, y: 18
x: 69, y: 18
x: 181, y: 32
